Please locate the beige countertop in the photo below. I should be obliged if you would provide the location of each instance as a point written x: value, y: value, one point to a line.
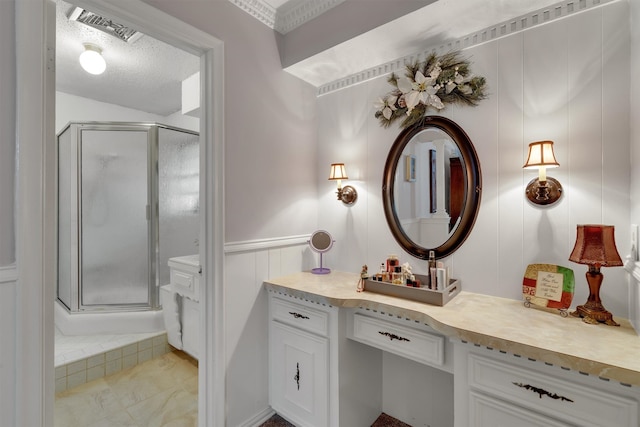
x: 500, y: 323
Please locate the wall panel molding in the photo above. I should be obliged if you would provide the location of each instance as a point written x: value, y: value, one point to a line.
x: 261, y: 244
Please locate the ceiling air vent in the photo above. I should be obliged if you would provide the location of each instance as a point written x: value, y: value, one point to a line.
x: 103, y: 24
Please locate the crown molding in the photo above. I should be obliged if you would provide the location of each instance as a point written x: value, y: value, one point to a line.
x: 259, y: 10
x: 524, y: 22
x: 286, y: 18
x: 290, y: 18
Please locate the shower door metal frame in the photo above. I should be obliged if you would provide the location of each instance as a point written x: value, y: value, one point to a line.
x: 152, y: 213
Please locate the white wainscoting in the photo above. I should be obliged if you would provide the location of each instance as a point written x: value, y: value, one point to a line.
x: 633, y: 268
x: 247, y: 265
x: 8, y: 279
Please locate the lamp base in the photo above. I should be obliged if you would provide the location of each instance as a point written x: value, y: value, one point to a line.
x: 594, y: 314
x: 348, y: 195
x: 545, y: 192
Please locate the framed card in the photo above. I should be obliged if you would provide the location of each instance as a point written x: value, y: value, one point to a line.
x: 548, y: 286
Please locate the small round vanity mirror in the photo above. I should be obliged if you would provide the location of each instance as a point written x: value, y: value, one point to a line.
x: 321, y: 241
x: 431, y: 188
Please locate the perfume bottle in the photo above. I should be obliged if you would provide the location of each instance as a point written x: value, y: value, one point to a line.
x: 397, y: 275
x: 392, y: 262
x: 384, y: 273
x: 432, y: 269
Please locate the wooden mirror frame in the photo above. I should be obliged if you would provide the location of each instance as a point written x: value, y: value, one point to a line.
x: 473, y: 187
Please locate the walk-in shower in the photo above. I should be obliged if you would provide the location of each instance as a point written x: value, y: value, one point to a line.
x: 128, y: 200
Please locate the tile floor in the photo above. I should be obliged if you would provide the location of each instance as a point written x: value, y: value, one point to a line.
x: 159, y: 392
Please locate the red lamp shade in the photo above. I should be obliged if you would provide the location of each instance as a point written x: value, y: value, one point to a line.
x: 595, y: 245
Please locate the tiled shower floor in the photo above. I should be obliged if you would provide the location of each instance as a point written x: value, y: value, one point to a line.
x: 83, y: 358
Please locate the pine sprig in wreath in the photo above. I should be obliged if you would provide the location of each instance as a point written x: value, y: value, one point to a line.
x: 431, y: 84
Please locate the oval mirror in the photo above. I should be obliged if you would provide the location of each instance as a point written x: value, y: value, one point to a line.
x: 321, y: 241
x: 431, y: 187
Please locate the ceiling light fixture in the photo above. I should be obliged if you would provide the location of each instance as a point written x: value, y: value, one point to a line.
x: 91, y: 59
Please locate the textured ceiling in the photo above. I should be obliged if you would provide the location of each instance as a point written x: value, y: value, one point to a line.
x: 145, y: 75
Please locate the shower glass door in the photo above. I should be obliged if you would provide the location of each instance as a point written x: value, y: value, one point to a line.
x: 114, y: 218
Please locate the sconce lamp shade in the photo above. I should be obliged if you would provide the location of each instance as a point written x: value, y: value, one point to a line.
x: 347, y: 194
x: 541, y: 154
x: 542, y: 190
x: 338, y: 171
x: 595, y: 245
x: 91, y: 59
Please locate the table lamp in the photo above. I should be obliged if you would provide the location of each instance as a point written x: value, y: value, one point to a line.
x: 596, y: 247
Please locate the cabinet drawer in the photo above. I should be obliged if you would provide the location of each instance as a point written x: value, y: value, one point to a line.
x: 575, y: 403
x: 402, y: 340
x: 300, y: 316
x: 486, y: 411
x: 185, y: 283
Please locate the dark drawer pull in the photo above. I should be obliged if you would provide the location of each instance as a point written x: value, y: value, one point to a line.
x: 394, y: 336
x: 297, y: 376
x: 542, y: 392
x: 298, y: 315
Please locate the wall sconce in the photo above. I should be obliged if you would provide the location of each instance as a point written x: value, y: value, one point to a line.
x: 542, y: 190
x: 596, y: 247
x: 347, y: 194
x: 91, y: 59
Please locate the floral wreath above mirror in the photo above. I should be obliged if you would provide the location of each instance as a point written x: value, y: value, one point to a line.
x: 438, y: 81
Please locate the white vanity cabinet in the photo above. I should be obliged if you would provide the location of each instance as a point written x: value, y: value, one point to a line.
x: 317, y: 378
x: 494, y: 388
x: 299, y: 362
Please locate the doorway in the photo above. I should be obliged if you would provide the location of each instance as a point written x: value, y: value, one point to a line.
x: 35, y: 386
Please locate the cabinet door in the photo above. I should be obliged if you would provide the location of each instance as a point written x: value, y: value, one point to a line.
x: 486, y: 411
x: 298, y: 367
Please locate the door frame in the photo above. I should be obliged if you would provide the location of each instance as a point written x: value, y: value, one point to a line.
x: 35, y: 192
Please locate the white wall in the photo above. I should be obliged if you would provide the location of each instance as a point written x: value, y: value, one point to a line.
x: 7, y: 233
x: 634, y: 294
x: 270, y: 127
x: 7, y: 132
x: 566, y: 81
x: 72, y: 108
x: 270, y: 185
x: 635, y: 111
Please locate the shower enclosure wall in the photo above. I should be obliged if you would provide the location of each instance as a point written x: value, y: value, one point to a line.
x: 127, y: 202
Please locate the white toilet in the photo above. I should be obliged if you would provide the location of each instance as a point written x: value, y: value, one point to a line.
x: 180, y: 304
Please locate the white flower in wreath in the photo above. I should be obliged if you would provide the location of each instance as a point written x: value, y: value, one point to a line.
x: 386, y: 106
x: 435, y: 72
x: 415, y: 92
x: 433, y: 99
